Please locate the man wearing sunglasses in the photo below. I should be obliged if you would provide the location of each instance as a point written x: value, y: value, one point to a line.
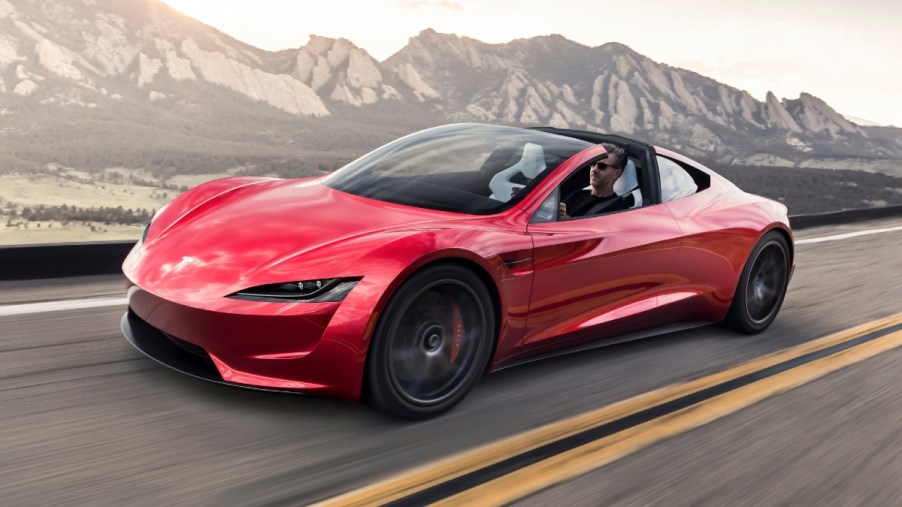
x: 601, y: 197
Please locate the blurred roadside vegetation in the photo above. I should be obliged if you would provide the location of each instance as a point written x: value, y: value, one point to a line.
x: 809, y: 190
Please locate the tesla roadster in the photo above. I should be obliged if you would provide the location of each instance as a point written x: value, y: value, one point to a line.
x: 402, y: 277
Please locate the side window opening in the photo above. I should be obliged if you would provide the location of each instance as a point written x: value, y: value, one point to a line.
x: 680, y: 180
x: 702, y: 179
x: 548, y: 211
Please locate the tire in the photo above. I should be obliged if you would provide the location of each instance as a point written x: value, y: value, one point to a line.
x: 431, y: 344
x: 762, y: 286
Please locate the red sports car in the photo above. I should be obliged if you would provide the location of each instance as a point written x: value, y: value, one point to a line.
x: 404, y: 276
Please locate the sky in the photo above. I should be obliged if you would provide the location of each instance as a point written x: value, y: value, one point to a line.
x: 847, y: 53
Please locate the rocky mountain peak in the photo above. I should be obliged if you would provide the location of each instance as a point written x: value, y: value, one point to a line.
x: 320, y: 45
x: 433, y: 47
x: 551, y: 42
x: 342, y: 72
x: 777, y: 116
x: 815, y: 115
x: 616, y: 48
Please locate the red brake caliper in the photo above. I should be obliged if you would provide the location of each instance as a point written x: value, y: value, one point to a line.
x: 457, y: 325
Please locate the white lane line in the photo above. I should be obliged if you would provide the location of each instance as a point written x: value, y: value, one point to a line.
x: 847, y: 235
x: 55, y: 306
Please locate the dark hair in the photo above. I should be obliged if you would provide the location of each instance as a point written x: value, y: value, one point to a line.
x: 618, y: 152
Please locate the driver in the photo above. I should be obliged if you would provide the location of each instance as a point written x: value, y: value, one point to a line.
x: 602, y: 175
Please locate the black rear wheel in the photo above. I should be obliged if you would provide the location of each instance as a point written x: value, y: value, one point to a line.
x: 762, y: 286
x: 431, y: 344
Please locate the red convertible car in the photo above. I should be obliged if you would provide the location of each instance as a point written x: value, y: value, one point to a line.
x: 404, y: 276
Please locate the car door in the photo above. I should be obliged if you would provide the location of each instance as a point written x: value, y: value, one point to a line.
x: 596, y: 277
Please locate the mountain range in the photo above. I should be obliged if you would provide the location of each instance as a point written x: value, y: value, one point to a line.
x: 94, y: 83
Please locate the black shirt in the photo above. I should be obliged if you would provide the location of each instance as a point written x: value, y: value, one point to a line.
x: 582, y: 201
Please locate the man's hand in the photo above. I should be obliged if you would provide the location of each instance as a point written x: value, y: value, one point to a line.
x: 562, y: 211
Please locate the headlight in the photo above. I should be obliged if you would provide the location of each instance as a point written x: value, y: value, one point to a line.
x: 311, y: 291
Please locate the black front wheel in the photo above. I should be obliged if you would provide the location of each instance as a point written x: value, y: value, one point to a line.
x: 762, y: 286
x: 431, y: 344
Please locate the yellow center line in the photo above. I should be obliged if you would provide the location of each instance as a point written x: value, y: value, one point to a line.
x: 424, y: 477
x: 591, y: 456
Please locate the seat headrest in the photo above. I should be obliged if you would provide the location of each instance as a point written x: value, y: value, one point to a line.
x: 533, y: 160
x: 628, y: 180
x: 531, y: 163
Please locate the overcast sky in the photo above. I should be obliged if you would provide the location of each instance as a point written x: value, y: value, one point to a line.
x: 847, y: 53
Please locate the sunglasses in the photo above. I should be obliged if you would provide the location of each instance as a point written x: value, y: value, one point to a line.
x: 602, y: 166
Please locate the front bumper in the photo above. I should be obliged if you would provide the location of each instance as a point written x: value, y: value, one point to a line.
x: 254, y: 345
x: 167, y: 350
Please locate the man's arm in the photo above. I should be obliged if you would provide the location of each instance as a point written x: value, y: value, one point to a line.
x: 568, y: 204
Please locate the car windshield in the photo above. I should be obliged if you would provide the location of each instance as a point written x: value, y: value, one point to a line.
x: 465, y: 168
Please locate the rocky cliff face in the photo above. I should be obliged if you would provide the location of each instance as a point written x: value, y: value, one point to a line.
x: 340, y: 71
x: 813, y: 115
x: 85, y: 53
x: 96, y: 54
x: 554, y: 81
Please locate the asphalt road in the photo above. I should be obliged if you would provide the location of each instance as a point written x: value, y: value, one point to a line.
x: 87, y: 420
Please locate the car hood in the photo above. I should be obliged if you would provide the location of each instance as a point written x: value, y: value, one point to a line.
x: 264, y: 232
